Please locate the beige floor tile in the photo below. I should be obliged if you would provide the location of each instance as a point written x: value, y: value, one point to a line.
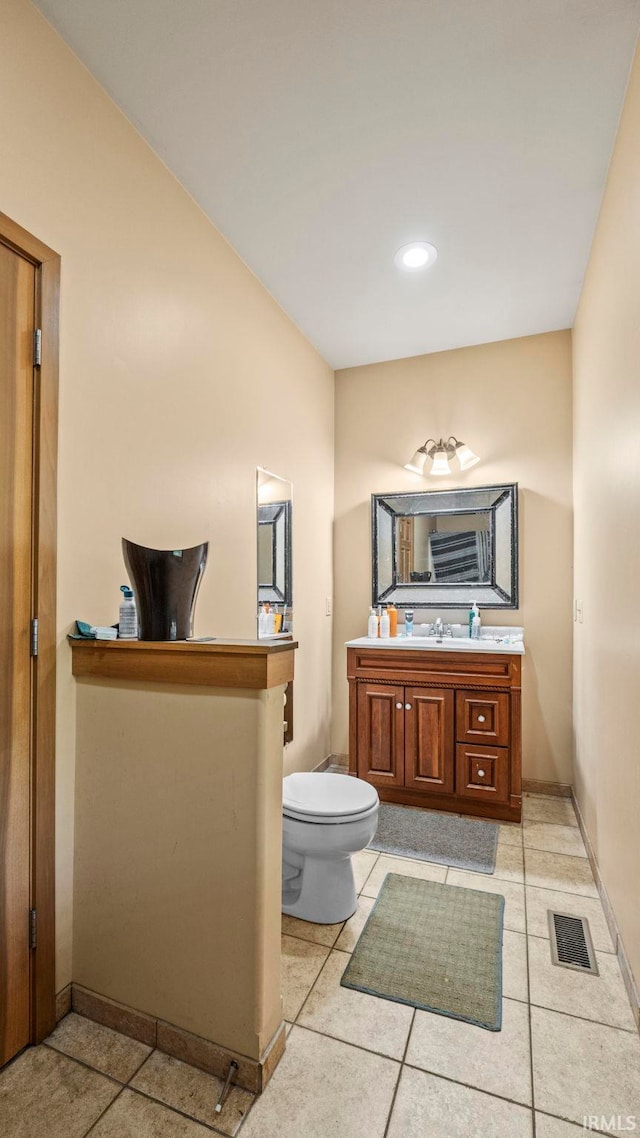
x: 548, y: 1127
x: 559, y: 871
x: 355, y: 1017
x: 301, y: 963
x: 555, y: 810
x: 192, y: 1091
x: 539, y: 901
x: 515, y: 985
x: 429, y: 1107
x: 512, y: 892
x: 133, y: 1116
x: 582, y: 1068
x: 495, y: 1061
x: 425, y: 870
x: 510, y: 834
x: 602, y: 998
x: 509, y: 864
x: 100, y: 1047
x: 363, y: 862
x: 553, y: 838
x: 323, y: 1088
x: 348, y: 938
x: 307, y: 930
x: 44, y: 1094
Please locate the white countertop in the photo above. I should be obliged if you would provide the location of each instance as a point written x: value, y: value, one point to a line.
x: 499, y: 639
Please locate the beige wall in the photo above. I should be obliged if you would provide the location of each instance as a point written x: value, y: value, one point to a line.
x: 178, y: 854
x: 179, y: 375
x: 606, y: 345
x: 511, y: 402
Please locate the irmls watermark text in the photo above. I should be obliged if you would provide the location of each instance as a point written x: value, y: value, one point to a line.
x: 610, y: 1123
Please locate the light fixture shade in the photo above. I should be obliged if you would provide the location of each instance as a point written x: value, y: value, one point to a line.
x: 465, y: 456
x: 440, y: 464
x: 416, y: 465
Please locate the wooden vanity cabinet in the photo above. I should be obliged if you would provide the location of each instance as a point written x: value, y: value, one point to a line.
x: 440, y: 730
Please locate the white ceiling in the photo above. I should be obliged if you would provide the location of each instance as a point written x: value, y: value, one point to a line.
x: 321, y: 135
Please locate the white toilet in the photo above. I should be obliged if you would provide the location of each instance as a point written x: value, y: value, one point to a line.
x: 325, y: 819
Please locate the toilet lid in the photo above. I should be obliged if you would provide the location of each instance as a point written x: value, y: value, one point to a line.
x: 327, y: 795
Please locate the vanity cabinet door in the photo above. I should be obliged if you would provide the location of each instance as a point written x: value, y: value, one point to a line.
x: 482, y: 717
x: 428, y: 747
x: 482, y: 773
x: 381, y: 730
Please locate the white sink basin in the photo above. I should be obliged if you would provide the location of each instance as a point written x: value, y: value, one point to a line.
x: 500, y: 640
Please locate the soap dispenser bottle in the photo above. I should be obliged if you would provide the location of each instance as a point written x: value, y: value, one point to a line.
x: 372, y: 629
x: 128, y: 622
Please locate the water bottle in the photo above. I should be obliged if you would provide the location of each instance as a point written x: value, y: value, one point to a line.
x: 128, y: 624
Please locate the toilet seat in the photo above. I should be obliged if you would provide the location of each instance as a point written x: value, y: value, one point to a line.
x: 327, y: 799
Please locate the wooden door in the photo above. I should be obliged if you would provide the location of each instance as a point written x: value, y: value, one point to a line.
x: 428, y: 751
x: 17, y: 308
x: 381, y: 734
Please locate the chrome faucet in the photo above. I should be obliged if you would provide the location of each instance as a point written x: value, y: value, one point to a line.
x: 438, y: 627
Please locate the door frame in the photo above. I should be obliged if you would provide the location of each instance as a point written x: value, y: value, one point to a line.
x: 47, y: 304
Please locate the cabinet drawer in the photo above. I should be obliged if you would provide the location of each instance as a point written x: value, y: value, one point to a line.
x: 482, y: 717
x: 482, y: 773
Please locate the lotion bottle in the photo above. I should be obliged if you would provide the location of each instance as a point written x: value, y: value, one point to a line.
x: 393, y: 620
x: 372, y: 630
x: 384, y: 625
x: 476, y: 624
x: 408, y: 622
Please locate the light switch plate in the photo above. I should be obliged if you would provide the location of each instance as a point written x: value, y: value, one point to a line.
x: 328, y: 607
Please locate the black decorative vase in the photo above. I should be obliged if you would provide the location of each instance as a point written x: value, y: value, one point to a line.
x: 165, y: 583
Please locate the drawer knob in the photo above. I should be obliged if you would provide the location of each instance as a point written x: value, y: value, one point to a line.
x: 407, y: 707
x: 481, y: 718
x: 399, y: 706
x: 480, y: 774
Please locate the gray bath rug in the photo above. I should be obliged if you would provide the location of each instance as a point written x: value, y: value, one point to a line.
x: 435, y: 947
x: 429, y: 836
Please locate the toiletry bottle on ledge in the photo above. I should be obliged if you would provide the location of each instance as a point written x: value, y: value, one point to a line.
x: 128, y: 622
x: 372, y: 629
x: 472, y: 612
x: 384, y: 624
x: 393, y: 620
x: 408, y: 622
x: 476, y: 624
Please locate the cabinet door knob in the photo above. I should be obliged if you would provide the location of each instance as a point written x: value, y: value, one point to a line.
x: 407, y: 707
x: 480, y: 774
x: 399, y: 706
x: 481, y: 718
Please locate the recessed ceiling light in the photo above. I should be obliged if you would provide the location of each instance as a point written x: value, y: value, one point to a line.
x: 417, y: 255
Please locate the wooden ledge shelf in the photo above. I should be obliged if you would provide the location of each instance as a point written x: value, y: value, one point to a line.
x: 253, y: 664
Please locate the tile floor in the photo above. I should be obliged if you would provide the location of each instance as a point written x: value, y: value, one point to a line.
x: 360, y: 1067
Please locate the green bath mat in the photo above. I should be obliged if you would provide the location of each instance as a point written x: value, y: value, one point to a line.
x: 435, y: 947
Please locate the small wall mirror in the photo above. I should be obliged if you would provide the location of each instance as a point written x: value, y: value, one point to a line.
x: 274, y: 520
x: 446, y: 549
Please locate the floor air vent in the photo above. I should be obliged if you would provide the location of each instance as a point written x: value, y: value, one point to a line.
x: 571, y: 945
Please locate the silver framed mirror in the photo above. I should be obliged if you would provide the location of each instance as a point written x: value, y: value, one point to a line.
x: 274, y: 509
x: 446, y: 548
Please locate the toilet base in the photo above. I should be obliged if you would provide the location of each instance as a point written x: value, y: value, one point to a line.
x: 327, y: 894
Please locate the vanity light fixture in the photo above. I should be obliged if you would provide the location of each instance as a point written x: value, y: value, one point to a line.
x: 440, y: 455
x: 418, y: 255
